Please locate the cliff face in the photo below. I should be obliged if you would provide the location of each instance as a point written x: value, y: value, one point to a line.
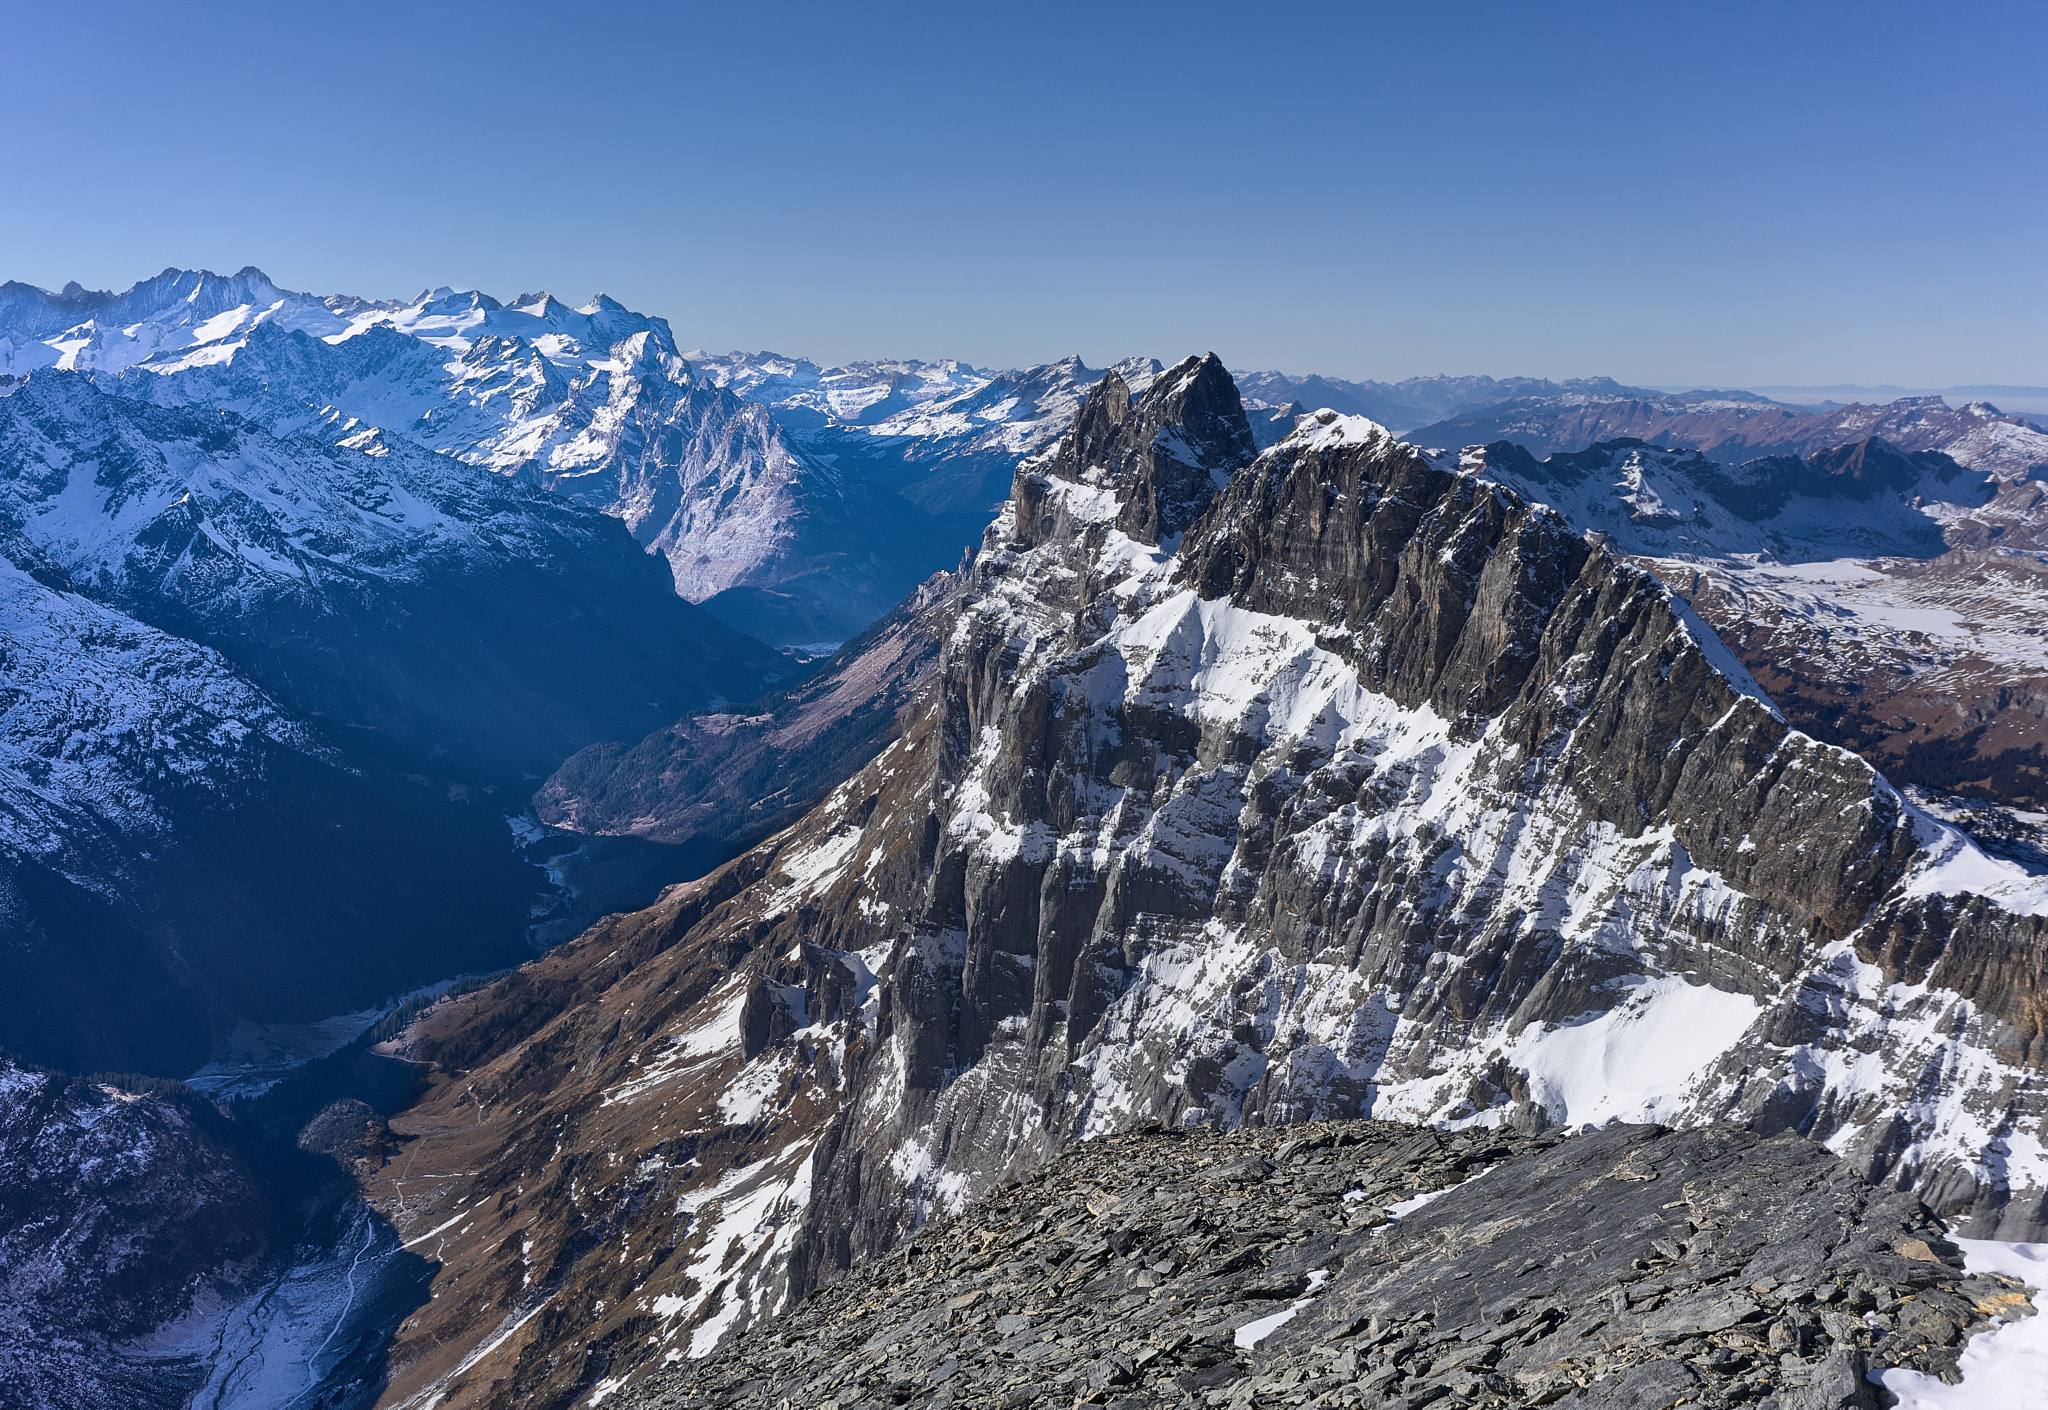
x: 1343, y: 784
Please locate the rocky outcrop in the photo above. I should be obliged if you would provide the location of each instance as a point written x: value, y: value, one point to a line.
x: 1362, y: 1263
x: 1161, y: 459
x: 118, y: 1208
x: 1368, y: 789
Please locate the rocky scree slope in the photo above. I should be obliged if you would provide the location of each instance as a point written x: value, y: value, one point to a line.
x: 1248, y: 792
x: 1368, y: 1263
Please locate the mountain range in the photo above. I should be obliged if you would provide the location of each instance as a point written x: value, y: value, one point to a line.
x: 1740, y: 426
x: 991, y: 761
x: 1246, y: 788
x: 270, y: 698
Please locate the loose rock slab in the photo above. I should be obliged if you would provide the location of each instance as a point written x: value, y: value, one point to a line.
x: 1374, y: 1264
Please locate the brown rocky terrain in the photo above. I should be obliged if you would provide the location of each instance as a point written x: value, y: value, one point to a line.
x: 1935, y: 670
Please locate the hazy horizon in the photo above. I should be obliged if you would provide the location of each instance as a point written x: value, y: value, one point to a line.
x: 1371, y: 193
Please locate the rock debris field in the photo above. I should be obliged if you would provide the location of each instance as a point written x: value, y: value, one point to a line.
x: 1373, y: 1264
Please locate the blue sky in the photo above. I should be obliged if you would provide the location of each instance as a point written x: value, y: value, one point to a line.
x: 1716, y: 194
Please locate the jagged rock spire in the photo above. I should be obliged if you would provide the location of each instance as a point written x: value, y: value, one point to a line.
x: 1163, y: 454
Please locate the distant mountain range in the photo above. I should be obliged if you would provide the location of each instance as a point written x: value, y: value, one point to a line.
x: 1844, y: 391
x: 1736, y: 426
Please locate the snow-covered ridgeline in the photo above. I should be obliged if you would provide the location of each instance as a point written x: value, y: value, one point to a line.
x: 127, y: 498
x: 194, y: 318
x: 857, y: 393
x: 593, y: 403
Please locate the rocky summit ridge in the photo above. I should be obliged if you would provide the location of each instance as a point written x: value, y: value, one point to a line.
x: 1246, y: 791
x: 1373, y: 1264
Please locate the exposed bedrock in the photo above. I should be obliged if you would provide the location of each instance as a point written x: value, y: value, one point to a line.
x: 1371, y: 1264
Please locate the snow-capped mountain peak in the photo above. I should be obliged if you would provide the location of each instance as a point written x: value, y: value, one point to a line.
x: 192, y: 314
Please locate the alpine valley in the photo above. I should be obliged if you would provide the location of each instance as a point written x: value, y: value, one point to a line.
x: 546, y: 869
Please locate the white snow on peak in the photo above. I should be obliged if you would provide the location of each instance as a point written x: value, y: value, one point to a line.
x: 195, y: 315
x: 1331, y: 430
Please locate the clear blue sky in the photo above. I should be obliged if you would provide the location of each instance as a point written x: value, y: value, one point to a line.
x: 1666, y: 193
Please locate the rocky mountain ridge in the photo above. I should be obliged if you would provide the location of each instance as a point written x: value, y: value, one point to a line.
x: 806, y: 396
x: 955, y: 455
x: 596, y: 405
x: 1362, y: 1263
x: 1330, y: 783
